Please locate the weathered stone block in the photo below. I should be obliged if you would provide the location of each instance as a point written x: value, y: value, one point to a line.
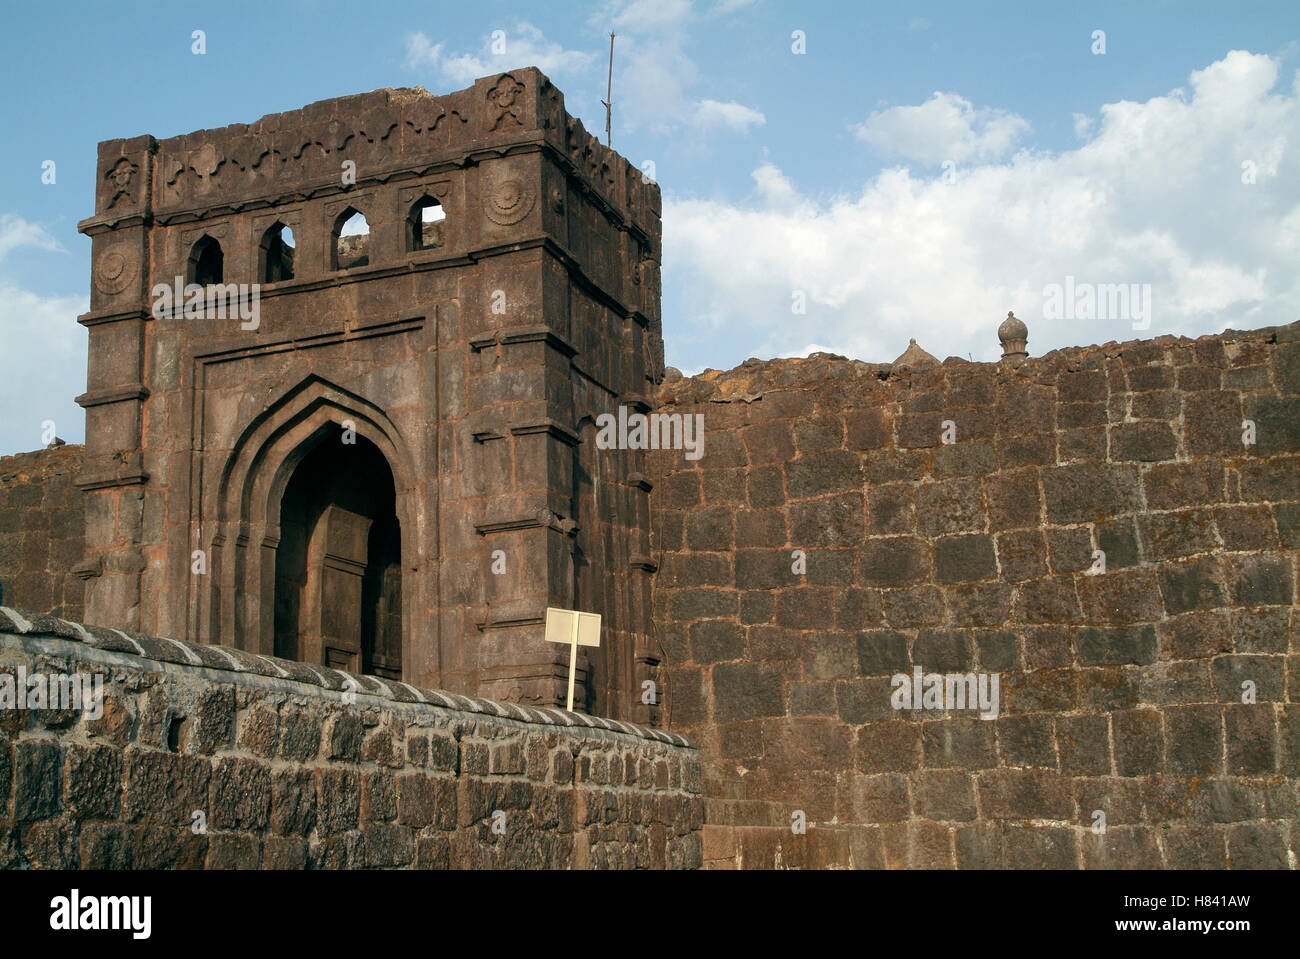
x: 1026, y: 740
x: 1083, y: 745
x: 943, y: 651
x: 893, y: 746
x: 1258, y: 580
x: 836, y: 471
x: 93, y: 784
x: 1258, y: 846
x: 241, y: 794
x: 1089, y: 492
x: 891, y: 561
x: 1126, y: 596
x: 1148, y: 442
x: 953, y: 506
x: 1250, y: 732
x: 339, y: 801
x: 38, y: 769
x: 964, y: 558
x: 233, y: 851
x: 1024, y: 794
x: 1181, y: 533
x: 1022, y: 555
x: 965, y: 743
x: 1194, y: 735
x: 746, y: 691
x: 716, y: 641
x: 1121, y: 847
x: 1195, y: 847
x: 1139, y: 742
x: 1196, y: 584
x: 1116, y: 647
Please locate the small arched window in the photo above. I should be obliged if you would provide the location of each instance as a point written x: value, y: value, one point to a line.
x: 424, y: 225
x: 351, y: 246
x: 205, y: 263
x: 275, y: 256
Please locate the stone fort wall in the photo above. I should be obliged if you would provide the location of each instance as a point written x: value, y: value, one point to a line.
x: 209, y: 757
x: 1121, y: 692
x: 42, y: 531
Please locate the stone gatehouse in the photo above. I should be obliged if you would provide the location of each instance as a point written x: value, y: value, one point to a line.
x: 383, y: 462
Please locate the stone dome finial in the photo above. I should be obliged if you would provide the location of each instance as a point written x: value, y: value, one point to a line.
x: 915, y: 357
x: 1014, y: 336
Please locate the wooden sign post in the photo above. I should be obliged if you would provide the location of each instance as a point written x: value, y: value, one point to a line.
x: 576, y: 629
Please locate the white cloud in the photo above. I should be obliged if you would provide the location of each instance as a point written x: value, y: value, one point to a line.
x: 734, y: 116
x: 16, y: 232
x: 42, y: 344
x: 730, y: 6
x: 945, y: 127
x: 810, y: 349
x: 422, y: 53
x: 641, y: 15
x: 918, y: 23
x: 524, y: 46
x: 43, y: 361
x: 1154, y: 197
x: 654, y: 76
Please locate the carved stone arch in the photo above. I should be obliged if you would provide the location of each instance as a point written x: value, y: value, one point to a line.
x: 238, y: 606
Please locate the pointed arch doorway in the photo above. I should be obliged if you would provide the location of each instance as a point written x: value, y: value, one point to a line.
x: 237, y: 603
x: 338, y: 571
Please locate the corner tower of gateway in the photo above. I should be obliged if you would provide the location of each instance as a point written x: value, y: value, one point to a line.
x: 345, y: 367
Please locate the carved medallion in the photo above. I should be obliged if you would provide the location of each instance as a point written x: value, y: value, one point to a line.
x: 509, y: 201
x: 114, y: 269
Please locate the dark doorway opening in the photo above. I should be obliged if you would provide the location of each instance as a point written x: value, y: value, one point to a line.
x: 275, y: 254
x: 206, y: 263
x: 338, y: 573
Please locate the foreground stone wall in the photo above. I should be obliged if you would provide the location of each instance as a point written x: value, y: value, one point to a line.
x: 282, y: 772
x: 42, y: 531
x: 1121, y: 692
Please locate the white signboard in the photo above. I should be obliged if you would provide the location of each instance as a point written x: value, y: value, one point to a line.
x: 576, y: 629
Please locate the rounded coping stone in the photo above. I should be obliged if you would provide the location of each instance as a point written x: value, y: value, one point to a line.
x: 229, y: 659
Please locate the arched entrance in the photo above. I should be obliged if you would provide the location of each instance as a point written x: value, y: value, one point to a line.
x: 338, y: 575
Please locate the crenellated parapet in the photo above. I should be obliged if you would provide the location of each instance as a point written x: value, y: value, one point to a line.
x: 391, y: 134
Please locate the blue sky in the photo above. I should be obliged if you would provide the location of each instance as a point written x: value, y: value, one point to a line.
x: 918, y: 171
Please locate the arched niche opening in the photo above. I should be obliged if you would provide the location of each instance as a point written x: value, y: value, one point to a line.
x: 424, y: 225
x: 275, y: 254
x: 350, y: 242
x: 206, y: 263
x: 338, y: 572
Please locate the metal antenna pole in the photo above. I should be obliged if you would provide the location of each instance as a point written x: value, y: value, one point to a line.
x: 609, y: 92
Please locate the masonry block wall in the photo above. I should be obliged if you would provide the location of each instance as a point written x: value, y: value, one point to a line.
x: 42, y: 530
x: 213, y: 757
x: 1121, y: 691
x: 471, y: 363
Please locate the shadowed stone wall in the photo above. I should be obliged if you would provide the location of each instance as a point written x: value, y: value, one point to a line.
x: 42, y: 530
x: 287, y: 774
x: 1121, y: 692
